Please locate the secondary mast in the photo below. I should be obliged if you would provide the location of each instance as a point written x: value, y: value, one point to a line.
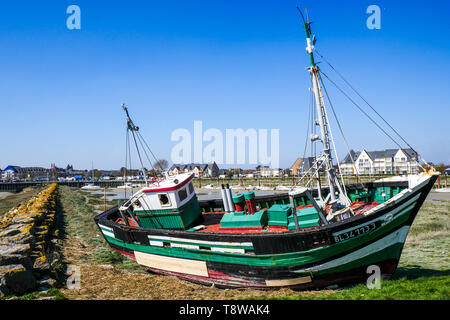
x: 133, y: 128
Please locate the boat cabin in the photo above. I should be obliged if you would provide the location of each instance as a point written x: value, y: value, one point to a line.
x: 168, y: 203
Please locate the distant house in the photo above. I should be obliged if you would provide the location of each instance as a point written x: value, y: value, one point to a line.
x: 447, y: 171
x: 347, y: 167
x: 23, y: 172
x: 266, y: 171
x: 301, y: 165
x: 199, y: 169
x: 389, y: 161
x: 10, y: 172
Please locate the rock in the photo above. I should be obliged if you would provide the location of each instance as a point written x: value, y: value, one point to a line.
x: 46, y: 298
x: 22, y: 219
x: 22, y: 249
x: 47, y: 281
x: 44, y: 288
x: 41, y: 265
x: 17, y: 278
x: 19, y: 238
x: 4, y: 291
x: 332, y: 287
x: 15, y: 254
x: 11, y: 230
x: 8, y: 259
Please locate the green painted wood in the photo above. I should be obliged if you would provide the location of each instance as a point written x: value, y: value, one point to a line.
x: 271, y: 260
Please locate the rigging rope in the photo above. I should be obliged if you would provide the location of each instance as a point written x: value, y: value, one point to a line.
x: 340, y: 128
x: 142, y: 145
x: 384, y: 120
x: 156, y: 160
x: 365, y: 113
x: 307, y: 129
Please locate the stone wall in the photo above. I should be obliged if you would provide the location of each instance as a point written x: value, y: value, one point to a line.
x: 27, y: 255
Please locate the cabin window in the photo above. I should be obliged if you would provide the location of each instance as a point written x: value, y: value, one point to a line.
x: 182, y: 194
x: 191, y: 187
x: 164, y: 199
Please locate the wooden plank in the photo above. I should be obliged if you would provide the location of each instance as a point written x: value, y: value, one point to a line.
x: 287, y: 282
x: 186, y: 266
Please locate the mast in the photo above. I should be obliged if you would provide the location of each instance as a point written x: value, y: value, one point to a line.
x: 313, y: 70
x: 133, y: 128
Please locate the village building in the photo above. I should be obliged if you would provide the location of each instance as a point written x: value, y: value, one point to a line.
x: 301, y: 165
x: 389, y: 161
x: 266, y: 171
x: 205, y: 170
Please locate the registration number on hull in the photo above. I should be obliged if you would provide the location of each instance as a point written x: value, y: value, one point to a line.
x: 355, y: 232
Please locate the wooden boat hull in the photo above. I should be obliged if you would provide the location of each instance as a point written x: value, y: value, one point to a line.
x: 311, y: 258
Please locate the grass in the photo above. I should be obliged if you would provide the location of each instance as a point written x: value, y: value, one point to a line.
x: 79, y: 211
x: 424, y: 288
x: 54, y: 293
x: 424, y: 268
x: 423, y: 272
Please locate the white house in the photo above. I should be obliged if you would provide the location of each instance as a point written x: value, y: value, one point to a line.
x: 266, y: 171
x: 389, y: 161
x: 199, y: 169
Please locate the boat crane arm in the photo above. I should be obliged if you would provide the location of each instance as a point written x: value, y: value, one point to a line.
x: 133, y: 128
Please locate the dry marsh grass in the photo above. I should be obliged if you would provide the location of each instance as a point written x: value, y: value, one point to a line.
x: 106, y: 274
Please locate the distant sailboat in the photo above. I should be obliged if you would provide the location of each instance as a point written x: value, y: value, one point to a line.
x: 91, y: 185
x: 129, y: 185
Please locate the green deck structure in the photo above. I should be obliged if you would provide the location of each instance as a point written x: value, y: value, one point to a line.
x: 307, y: 217
x: 241, y: 220
x: 278, y: 215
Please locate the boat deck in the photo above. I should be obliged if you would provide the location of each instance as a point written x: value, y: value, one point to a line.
x: 211, y: 220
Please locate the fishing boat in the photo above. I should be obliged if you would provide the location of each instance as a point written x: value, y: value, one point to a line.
x: 316, y: 235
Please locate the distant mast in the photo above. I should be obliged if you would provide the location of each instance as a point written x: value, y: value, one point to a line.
x: 133, y: 128
x: 313, y: 70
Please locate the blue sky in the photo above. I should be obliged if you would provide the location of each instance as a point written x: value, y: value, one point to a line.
x: 231, y: 64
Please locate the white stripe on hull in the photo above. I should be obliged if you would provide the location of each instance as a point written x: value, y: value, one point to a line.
x: 200, y: 242
x: 105, y: 227
x: 185, y: 246
x: 107, y: 233
x: 231, y: 250
x: 397, y: 236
